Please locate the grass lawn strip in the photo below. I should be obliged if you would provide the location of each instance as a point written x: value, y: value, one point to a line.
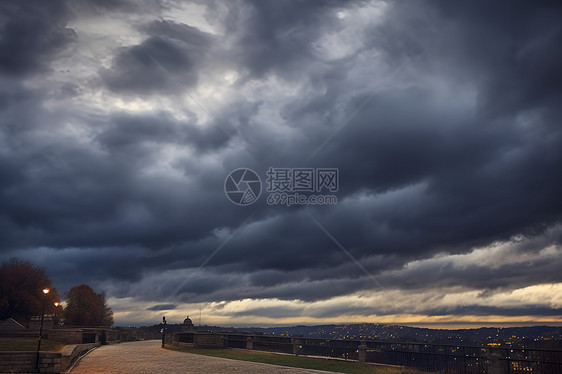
x: 340, y: 366
x: 28, y: 344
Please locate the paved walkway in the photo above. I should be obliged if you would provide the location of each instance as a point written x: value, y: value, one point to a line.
x: 148, y: 357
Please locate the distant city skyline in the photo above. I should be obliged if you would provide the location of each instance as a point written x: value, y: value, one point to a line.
x: 435, y: 125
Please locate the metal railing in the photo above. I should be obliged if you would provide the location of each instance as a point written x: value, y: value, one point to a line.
x: 278, y: 344
x: 519, y: 360
x: 424, y: 357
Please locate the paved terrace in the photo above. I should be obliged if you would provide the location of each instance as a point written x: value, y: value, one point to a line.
x: 148, y: 357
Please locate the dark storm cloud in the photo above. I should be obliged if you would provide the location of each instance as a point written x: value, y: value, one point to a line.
x: 126, y: 131
x: 104, y: 6
x: 30, y: 35
x: 480, y: 310
x: 56, y: 193
x: 488, y: 176
x: 335, y: 311
x: 272, y: 312
x: 278, y: 36
x: 512, y: 47
x: 162, y: 307
x: 461, y: 149
x: 134, y: 71
x: 177, y: 48
x: 313, y: 284
x: 484, y: 276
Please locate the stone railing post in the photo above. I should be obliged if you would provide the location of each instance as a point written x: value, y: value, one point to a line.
x: 249, y: 342
x: 497, y: 361
x: 362, y: 352
x: 296, y: 346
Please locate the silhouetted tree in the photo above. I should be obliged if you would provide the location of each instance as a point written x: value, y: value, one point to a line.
x: 85, y: 307
x: 21, y: 291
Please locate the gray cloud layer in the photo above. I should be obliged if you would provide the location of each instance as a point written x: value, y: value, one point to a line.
x: 453, y: 143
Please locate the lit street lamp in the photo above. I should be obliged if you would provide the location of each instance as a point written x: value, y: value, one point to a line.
x: 45, y: 292
x: 56, y: 316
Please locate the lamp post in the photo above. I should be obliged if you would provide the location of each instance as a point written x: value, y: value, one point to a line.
x: 55, y: 315
x: 45, y: 292
x: 163, y: 331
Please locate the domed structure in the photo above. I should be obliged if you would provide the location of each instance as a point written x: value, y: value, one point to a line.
x: 187, y: 325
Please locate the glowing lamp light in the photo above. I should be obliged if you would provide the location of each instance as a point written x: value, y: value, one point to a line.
x: 46, y: 290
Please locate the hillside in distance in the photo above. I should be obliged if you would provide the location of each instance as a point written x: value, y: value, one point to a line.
x: 535, y: 336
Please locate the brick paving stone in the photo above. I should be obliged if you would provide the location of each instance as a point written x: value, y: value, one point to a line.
x: 148, y: 357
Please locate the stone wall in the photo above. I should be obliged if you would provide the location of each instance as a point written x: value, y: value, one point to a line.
x: 208, y: 340
x: 11, y: 327
x: 50, y: 362
x: 71, y: 352
x: 65, y: 336
x: 24, y: 362
x: 83, y: 335
x: 198, y: 339
x: 35, y: 324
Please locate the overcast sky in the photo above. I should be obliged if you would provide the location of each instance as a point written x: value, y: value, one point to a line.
x: 121, y: 120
